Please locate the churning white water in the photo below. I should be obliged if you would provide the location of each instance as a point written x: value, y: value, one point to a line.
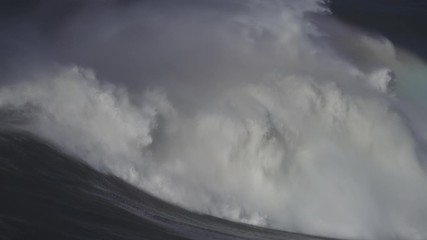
x: 271, y: 114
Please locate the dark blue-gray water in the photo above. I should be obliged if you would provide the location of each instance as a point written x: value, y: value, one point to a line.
x: 47, y: 194
x: 402, y: 21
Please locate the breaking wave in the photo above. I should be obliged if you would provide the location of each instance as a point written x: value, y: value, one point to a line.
x: 272, y: 114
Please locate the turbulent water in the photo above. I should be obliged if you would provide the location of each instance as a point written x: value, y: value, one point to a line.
x: 268, y: 113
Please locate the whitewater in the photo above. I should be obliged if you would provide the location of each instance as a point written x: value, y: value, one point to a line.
x: 270, y: 113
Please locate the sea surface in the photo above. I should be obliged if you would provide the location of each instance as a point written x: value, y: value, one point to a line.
x: 301, y: 154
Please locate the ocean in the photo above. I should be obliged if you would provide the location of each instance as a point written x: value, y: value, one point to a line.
x: 225, y: 119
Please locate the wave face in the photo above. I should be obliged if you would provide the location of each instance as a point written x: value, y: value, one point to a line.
x: 269, y: 113
x: 47, y: 194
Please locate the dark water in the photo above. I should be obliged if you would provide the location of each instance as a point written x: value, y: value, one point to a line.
x: 401, y: 21
x: 46, y: 194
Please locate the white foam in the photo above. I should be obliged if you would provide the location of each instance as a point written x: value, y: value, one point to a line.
x: 383, y: 80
